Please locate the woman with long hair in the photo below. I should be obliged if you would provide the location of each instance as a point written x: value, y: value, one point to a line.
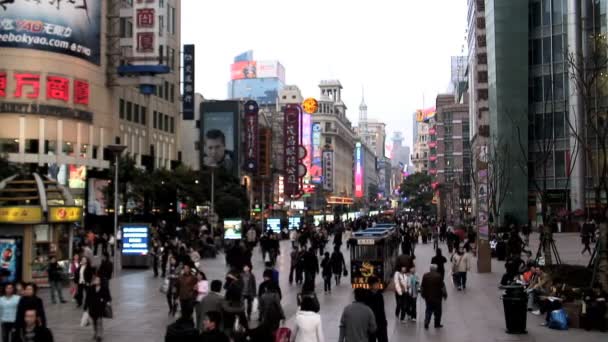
x: 98, y: 297
x: 82, y: 278
x: 171, y: 279
x: 308, y: 326
x: 8, y: 310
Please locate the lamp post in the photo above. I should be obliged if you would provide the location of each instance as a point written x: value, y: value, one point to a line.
x: 116, y: 150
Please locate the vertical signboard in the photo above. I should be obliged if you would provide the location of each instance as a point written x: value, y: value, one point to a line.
x: 328, y: 170
x: 291, y: 135
x: 251, y: 136
x: 482, y: 194
x: 359, y: 193
x: 146, y: 31
x: 316, y: 167
x: 307, y: 141
x: 188, y: 98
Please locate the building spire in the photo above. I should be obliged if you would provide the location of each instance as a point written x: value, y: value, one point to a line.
x: 362, y: 107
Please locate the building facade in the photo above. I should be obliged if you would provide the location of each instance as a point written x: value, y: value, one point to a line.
x: 420, y: 157
x: 371, y: 131
x: 256, y: 80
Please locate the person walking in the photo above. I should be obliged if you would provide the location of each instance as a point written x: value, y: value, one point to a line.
x: 326, y: 272
x: 54, y: 275
x: 461, y: 264
x: 311, y: 265
x: 211, y: 324
x: 233, y: 312
x: 172, y: 274
x: 440, y: 261
x: 8, y: 310
x: 155, y: 256
x: 586, y: 240
x: 106, y: 270
x: 338, y: 265
x: 32, y: 330
x: 294, y: 256
x: 28, y: 301
x: 248, y: 286
x: 400, y: 281
x: 432, y: 289
x: 183, y: 329
x: 82, y: 278
x: 357, y: 323
x: 211, y: 302
x: 271, y: 311
x: 202, y: 290
x: 308, y: 327
x: 98, y: 297
x: 308, y: 291
x: 185, y: 288
x: 375, y: 302
x: 413, y: 284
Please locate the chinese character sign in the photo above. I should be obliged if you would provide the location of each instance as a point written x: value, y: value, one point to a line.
x: 188, y: 98
x: 328, y: 170
x: 359, y: 171
x: 57, y: 88
x: 146, y: 31
x: 291, y: 136
x: 307, y: 141
x: 69, y: 27
x: 316, y: 167
x: 251, y: 136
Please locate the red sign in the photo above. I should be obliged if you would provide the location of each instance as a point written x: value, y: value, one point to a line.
x: 145, y: 17
x: 243, y: 69
x: 291, y: 136
x: 145, y: 42
x: 251, y: 136
x: 57, y: 88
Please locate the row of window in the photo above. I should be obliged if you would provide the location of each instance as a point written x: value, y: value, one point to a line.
x: 132, y: 112
x: 544, y: 89
x: 166, y: 91
x: 8, y: 145
x: 544, y: 126
x: 163, y: 122
x: 541, y: 50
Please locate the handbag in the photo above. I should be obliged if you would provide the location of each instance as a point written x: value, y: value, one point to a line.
x: 85, y: 320
x: 108, y: 312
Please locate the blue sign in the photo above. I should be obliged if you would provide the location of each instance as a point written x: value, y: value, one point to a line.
x: 294, y: 222
x: 188, y: 78
x: 135, y: 239
x: 274, y: 224
x: 66, y: 27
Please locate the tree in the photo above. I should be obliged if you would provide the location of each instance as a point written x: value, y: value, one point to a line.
x: 418, y: 191
x: 499, y: 176
x: 588, y: 123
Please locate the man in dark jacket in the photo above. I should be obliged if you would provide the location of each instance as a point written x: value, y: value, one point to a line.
x: 212, y: 328
x: 211, y: 302
x: 433, y: 291
x: 375, y: 301
x: 54, y: 272
x: 106, y: 269
x: 32, y: 330
x: 311, y: 266
x: 358, y: 322
x: 185, y: 289
x: 183, y: 329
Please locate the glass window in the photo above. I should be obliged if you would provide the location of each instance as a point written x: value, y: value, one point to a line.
x: 50, y: 147
x: 173, y: 20
x: 559, y: 122
x: 560, y: 164
x: 166, y: 123
x: 129, y: 110
x: 558, y: 48
x: 95, y: 149
x: 136, y: 114
x: 546, y: 12
x: 160, y: 121
x: 172, y: 120
x: 166, y: 90
x: 8, y: 145
x: 538, y: 127
x: 548, y: 125
x: 172, y: 93
x: 559, y: 86
x: 83, y: 149
x: 547, y: 50
x: 154, y: 119
x: 31, y: 146
x: 537, y: 53
x: 535, y: 14
x: 557, y: 12
x: 144, y: 113
x: 538, y: 89
x: 547, y: 96
x: 121, y: 108
x: 68, y: 148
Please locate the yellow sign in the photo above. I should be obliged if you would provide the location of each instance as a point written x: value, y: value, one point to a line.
x: 65, y: 214
x: 22, y: 215
x: 310, y: 105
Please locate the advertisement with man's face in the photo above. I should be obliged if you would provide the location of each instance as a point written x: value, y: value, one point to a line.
x: 97, y: 203
x: 66, y: 27
x: 219, y: 140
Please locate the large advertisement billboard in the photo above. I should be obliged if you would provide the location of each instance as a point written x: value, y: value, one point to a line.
x: 307, y: 141
x: 359, y: 171
x: 220, y: 135
x: 316, y: 167
x: 67, y: 27
x: 242, y: 70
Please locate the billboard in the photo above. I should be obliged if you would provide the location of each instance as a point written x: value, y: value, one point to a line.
x: 274, y: 224
x: 135, y: 239
x: 97, y: 202
x: 10, y: 259
x: 220, y: 136
x: 188, y: 98
x: 307, y: 141
x: 242, y: 70
x: 233, y: 229
x: 291, y: 136
x: 328, y: 170
x: 359, y: 171
x: 316, y: 168
x: 267, y: 69
x: 294, y: 222
x: 67, y: 27
x: 252, y: 140
x: 78, y: 176
x: 146, y: 31
x: 424, y: 115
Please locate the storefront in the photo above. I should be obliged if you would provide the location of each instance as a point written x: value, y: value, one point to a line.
x: 36, y: 219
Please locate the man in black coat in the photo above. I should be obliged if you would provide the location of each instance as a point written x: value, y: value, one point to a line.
x: 311, y: 266
x: 183, y: 329
x: 433, y: 291
x: 375, y: 301
x: 32, y: 329
x: 54, y: 273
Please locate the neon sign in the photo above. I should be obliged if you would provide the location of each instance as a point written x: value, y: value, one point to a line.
x: 358, y: 171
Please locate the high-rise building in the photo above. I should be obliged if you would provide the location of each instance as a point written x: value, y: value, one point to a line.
x: 62, y: 105
x: 420, y: 156
x: 256, y: 80
x: 371, y: 131
x: 400, y: 155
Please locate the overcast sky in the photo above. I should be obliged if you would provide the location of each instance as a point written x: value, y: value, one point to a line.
x: 398, y: 50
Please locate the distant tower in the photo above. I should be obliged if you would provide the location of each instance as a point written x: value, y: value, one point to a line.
x: 362, y: 108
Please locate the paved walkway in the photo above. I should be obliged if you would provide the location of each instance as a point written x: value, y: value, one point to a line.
x: 472, y: 316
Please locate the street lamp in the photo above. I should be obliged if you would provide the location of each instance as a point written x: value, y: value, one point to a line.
x: 116, y: 150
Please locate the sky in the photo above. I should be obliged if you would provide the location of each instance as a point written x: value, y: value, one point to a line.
x: 398, y: 51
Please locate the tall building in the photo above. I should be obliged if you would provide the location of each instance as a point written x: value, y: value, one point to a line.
x: 420, y: 156
x: 62, y: 105
x: 400, y: 155
x: 256, y: 80
x: 371, y: 131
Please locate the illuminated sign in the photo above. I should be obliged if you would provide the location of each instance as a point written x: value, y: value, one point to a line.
x: 307, y: 142
x: 252, y: 140
x: 318, y: 219
x: 291, y: 158
x: 339, y: 200
x: 328, y: 171
x: 274, y: 224
x: 281, y: 187
x: 358, y: 171
x: 310, y: 105
x: 22, y: 215
x: 316, y: 168
x: 28, y: 85
x: 65, y: 214
x: 232, y: 229
x: 294, y: 222
x: 135, y: 239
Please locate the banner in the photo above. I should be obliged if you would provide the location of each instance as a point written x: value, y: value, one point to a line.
x: 252, y: 140
x: 188, y: 98
x: 66, y: 27
x: 424, y: 115
x: 316, y: 168
x: 96, y: 199
x: 21, y: 215
x: 307, y: 141
x: 482, y: 195
x: 291, y: 136
x: 328, y: 170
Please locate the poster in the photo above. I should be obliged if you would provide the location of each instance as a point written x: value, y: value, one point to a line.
x: 78, y: 176
x: 97, y: 203
x: 233, y: 229
x: 274, y: 224
x: 219, y: 139
x: 10, y: 259
x: 66, y: 27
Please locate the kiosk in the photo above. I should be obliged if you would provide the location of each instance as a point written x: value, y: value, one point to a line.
x: 135, y: 245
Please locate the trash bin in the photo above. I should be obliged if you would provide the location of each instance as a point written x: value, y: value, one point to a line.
x: 501, y: 250
x: 515, y: 302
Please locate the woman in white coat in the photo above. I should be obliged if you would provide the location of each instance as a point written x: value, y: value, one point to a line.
x: 308, y: 323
